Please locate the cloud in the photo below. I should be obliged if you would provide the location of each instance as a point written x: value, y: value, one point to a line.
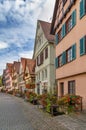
x: 47, y: 10
x: 26, y: 54
x: 3, y: 45
x: 18, y: 20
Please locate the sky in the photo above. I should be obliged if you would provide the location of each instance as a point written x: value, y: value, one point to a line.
x: 18, y: 20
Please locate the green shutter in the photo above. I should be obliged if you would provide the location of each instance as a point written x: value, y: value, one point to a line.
x: 64, y: 58
x: 73, y: 18
x: 82, y: 8
x: 63, y: 30
x: 56, y: 39
x: 74, y: 52
x: 56, y: 62
x: 82, y: 46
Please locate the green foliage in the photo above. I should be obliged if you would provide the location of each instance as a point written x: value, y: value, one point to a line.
x: 32, y: 96
x: 0, y: 81
x: 48, y: 107
x: 71, y: 102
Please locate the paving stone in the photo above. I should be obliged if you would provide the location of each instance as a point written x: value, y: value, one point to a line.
x: 16, y: 114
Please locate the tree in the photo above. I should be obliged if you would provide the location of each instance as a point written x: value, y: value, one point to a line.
x: 0, y: 81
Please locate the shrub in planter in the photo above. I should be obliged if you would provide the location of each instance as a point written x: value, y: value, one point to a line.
x: 50, y: 100
x: 33, y: 97
x: 43, y: 100
x: 48, y: 105
x: 69, y: 102
x: 10, y: 92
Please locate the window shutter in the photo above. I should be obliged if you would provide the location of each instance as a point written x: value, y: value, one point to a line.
x: 63, y: 30
x: 46, y: 53
x: 82, y: 8
x: 64, y: 58
x: 37, y: 60
x: 74, y: 52
x: 56, y: 62
x: 73, y: 18
x: 56, y: 39
x: 82, y: 46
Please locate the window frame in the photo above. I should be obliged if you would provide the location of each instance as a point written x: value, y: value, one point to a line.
x: 46, y: 73
x: 60, y: 61
x: 62, y: 89
x: 46, y: 52
x: 68, y: 25
x: 72, y: 87
x: 69, y: 55
x: 60, y: 35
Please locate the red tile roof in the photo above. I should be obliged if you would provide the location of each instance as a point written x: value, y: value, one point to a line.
x: 9, y: 66
x: 46, y: 29
x: 17, y: 66
x: 23, y: 62
x: 31, y: 66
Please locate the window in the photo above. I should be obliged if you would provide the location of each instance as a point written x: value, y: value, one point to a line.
x: 74, y: 51
x: 71, y: 87
x: 56, y: 62
x: 42, y: 75
x: 60, y: 60
x: 82, y: 45
x: 61, y: 89
x: 64, y: 2
x: 46, y: 53
x: 38, y: 60
x: 45, y: 73
x: 41, y: 58
x: 63, y: 30
x: 60, y: 35
x: 38, y: 89
x: 66, y: 56
x: 68, y: 24
x: 69, y: 55
x: 82, y: 8
x: 56, y: 39
x: 39, y: 76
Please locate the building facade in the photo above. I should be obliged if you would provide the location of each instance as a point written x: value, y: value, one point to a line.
x: 44, y: 54
x: 15, y: 75
x: 68, y: 25
x: 8, y: 76
x: 21, y: 80
x: 29, y: 75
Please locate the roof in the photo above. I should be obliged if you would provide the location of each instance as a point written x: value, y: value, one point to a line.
x: 54, y: 17
x: 24, y: 61
x: 31, y: 66
x: 9, y: 66
x: 46, y: 29
x: 17, y: 66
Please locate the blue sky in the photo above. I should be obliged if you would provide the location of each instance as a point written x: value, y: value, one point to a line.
x: 18, y: 19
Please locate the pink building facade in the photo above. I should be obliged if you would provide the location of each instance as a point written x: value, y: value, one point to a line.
x: 8, y: 76
x: 68, y: 25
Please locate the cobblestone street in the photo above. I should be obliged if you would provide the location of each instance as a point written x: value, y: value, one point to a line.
x: 15, y: 114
